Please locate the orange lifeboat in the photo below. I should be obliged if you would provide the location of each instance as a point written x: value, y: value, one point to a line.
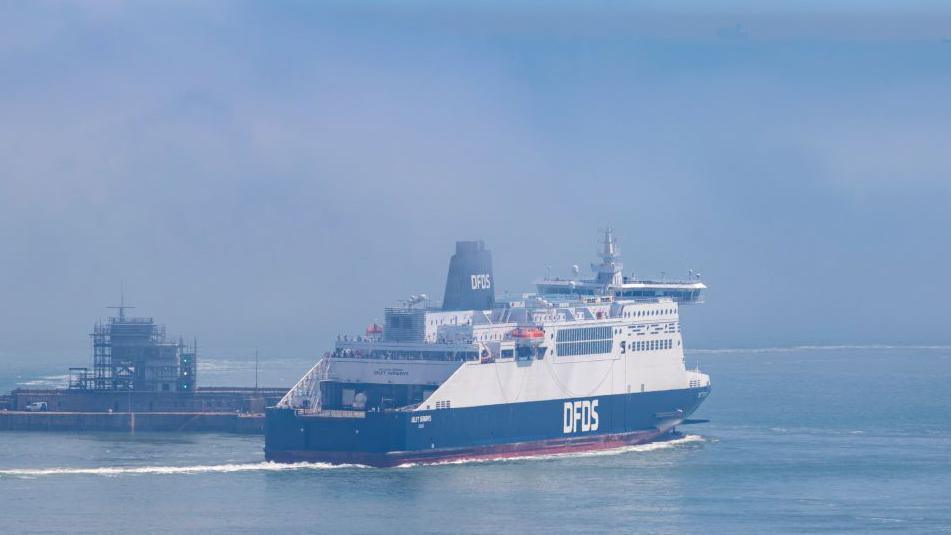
x: 374, y: 330
x: 527, y: 333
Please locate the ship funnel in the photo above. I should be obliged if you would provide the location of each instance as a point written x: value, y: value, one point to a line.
x: 469, y: 284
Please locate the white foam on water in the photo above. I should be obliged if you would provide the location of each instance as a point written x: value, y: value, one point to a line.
x: 171, y: 470
x: 639, y: 448
x: 223, y: 365
x: 114, y: 471
x: 48, y: 381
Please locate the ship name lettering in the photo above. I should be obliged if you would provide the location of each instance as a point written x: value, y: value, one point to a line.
x: 421, y: 419
x: 390, y: 371
x: 580, y: 415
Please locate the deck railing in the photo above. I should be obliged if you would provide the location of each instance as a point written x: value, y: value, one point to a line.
x: 306, y: 393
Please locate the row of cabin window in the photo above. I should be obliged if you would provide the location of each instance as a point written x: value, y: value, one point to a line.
x: 642, y: 313
x: 652, y: 345
x: 682, y: 294
x: 451, y: 321
x: 489, y: 337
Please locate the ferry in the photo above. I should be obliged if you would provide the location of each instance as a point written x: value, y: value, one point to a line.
x: 580, y: 364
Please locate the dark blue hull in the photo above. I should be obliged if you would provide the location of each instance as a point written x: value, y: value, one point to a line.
x: 396, y: 437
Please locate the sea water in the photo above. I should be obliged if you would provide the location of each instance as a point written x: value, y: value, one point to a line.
x: 830, y: 439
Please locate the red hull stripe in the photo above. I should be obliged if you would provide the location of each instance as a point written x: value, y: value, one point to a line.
x: 497, y: 451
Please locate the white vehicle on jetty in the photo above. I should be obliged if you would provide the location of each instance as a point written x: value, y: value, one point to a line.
x: 38, y: 406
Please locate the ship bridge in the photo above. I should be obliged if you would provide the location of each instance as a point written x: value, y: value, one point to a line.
x: 609, y: 280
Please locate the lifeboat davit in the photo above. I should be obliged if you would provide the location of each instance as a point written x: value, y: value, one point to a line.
x: 528, y: 333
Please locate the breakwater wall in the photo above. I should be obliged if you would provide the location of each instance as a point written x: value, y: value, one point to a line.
x: 218, y: 422
x: 204, y: 400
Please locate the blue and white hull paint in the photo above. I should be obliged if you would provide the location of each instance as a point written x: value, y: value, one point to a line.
x: 493, y: 431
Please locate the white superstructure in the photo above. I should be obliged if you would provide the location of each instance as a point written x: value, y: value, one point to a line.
x: 588, y: 350
x: 593, y: 340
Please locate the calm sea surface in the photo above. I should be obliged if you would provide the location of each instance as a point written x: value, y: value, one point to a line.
x: 803, y: 440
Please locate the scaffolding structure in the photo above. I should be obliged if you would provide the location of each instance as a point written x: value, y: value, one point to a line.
x: 133, y: 354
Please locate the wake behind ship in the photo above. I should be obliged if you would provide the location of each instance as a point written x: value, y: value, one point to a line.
x: 582, y: 364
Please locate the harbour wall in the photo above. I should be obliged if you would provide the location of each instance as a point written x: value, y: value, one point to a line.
x: 212, y: 409
x: 220, y: 422
x: 205, y: 400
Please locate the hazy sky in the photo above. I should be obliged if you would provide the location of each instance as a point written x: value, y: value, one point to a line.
x: 266, y: 175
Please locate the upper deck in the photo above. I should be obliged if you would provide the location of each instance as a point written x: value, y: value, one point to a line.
x: 609, y: 279
x: 415, y: 329
x: 683, y: 292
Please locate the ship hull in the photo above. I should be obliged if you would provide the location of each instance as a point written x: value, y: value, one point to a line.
x: 485, y: 432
